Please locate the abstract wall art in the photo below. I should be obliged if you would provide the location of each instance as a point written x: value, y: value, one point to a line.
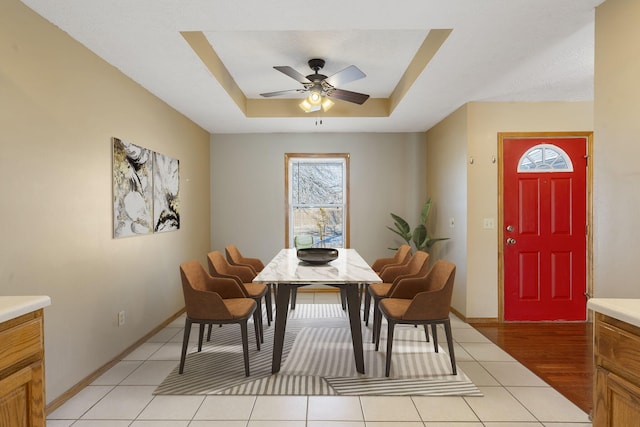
x: 166, y: 206
x: 145, y: 191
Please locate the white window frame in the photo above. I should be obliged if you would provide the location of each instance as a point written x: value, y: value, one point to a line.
x: 289, y: 160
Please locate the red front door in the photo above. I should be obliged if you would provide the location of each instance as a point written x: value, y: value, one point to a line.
x: 544, y: 219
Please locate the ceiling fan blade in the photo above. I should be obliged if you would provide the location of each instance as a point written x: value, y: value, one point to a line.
x: 347, y: 95
x: 280, y: 92
x: 292, y: 73
x: 346, y: 75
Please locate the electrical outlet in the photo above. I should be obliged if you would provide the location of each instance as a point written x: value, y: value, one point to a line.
x: 121, y: 318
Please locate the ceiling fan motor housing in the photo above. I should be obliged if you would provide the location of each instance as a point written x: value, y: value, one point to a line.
x: 316, y: 64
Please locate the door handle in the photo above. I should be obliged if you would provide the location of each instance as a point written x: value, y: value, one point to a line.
x: 511, y: 241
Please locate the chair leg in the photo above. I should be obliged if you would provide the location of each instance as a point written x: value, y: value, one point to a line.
x: 426, y: 332
x: 185, y: 343
x: 343, y: 297
x: 245, y: 345
x: 268, y: 304
x: 434, y: 332
x: 367, y: 304
x: 257, y: 316
x: 377, y: 321
x: 257, y: 326
x: 294, y: 294
x: 389, y: 346
x: 209, y: 332
x: 447, y: 330
x: 200, y: 337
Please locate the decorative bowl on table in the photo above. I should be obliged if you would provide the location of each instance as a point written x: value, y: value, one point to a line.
x: 317, y: 256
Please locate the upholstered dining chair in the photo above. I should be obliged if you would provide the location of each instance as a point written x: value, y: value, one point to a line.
x: 243, y: 275
x: 421, y: 301
x: 214, y: 300
x: 234, y: 257
x: 418, y: 266
x: 401, y: 257
x: 301, y: 241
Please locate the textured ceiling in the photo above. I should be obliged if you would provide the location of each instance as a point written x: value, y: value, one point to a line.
x: 497, y: 50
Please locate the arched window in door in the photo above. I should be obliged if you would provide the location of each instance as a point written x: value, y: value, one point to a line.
x: 317, y: 198
x: 545, y: 158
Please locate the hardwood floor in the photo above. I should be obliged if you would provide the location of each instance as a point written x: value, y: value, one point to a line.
x: 559, y: 353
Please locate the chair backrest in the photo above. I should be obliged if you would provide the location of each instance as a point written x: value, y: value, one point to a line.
x: 220, y: 267
x: 441, y: 276
x: 234, y: 257
x: 402, y: 255
x: 303, y: 241
x: 195, y: 280
x: 434, y: 294
x: 194, y: 274
x: 430, y: 296
x: 233, y: 254
x: 417, y: 265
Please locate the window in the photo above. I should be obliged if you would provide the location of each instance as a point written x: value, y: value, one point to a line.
x: 317, y: 195
x: 545, y: 158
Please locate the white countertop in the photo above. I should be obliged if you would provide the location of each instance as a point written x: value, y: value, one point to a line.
x: 349, y: 267
x: 624, y: 309
x: 15, y: 306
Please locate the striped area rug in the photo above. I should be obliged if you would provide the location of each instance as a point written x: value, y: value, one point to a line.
x: 317, y: 360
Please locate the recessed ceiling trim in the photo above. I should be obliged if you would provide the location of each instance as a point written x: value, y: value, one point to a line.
x: 287, y: 107
x: 376, y: 107
x: 430, y: 46
x: 200, y: 45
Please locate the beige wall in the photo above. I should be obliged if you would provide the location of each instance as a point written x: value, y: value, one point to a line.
x: 482, y: 123
x: 247, y: 185
x: 447, y: 187
x: 617, y: 149
x: 59, y: 107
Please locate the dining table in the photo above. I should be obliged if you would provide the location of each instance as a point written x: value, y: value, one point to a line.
x: 347, y: 272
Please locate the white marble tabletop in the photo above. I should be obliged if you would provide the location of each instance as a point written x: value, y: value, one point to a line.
x: 349, y: 267
x: 15, y: 306
x: 624, y: 309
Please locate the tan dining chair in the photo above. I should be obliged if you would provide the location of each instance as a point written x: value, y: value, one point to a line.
x: 417, y: 266
x: 401, y: 257
x: 243, y: 275
x: 234, y: 257
x: 214, y: 301
x: 421, y: 301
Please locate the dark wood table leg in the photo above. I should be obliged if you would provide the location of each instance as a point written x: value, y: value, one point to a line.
x: 353, y: 305
x: 282, y: 310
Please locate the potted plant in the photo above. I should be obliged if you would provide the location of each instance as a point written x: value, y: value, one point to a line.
x: 419, y: 236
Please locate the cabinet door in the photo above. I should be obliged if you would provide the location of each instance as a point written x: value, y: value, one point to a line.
x: 22, y: 398
x: 617, y: 401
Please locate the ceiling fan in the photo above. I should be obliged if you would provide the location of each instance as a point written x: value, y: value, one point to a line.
x: 320, y: 86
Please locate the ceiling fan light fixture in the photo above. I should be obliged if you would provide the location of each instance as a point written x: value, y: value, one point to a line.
x: 327, y: 104
x: 315, y: 97
x: 308, y: 107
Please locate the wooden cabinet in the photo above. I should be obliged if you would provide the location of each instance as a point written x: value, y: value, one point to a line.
x: 617, y: 373
x: 22, y: 401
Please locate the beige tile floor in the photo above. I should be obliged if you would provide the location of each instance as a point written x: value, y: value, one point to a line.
x: 513, y: 395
